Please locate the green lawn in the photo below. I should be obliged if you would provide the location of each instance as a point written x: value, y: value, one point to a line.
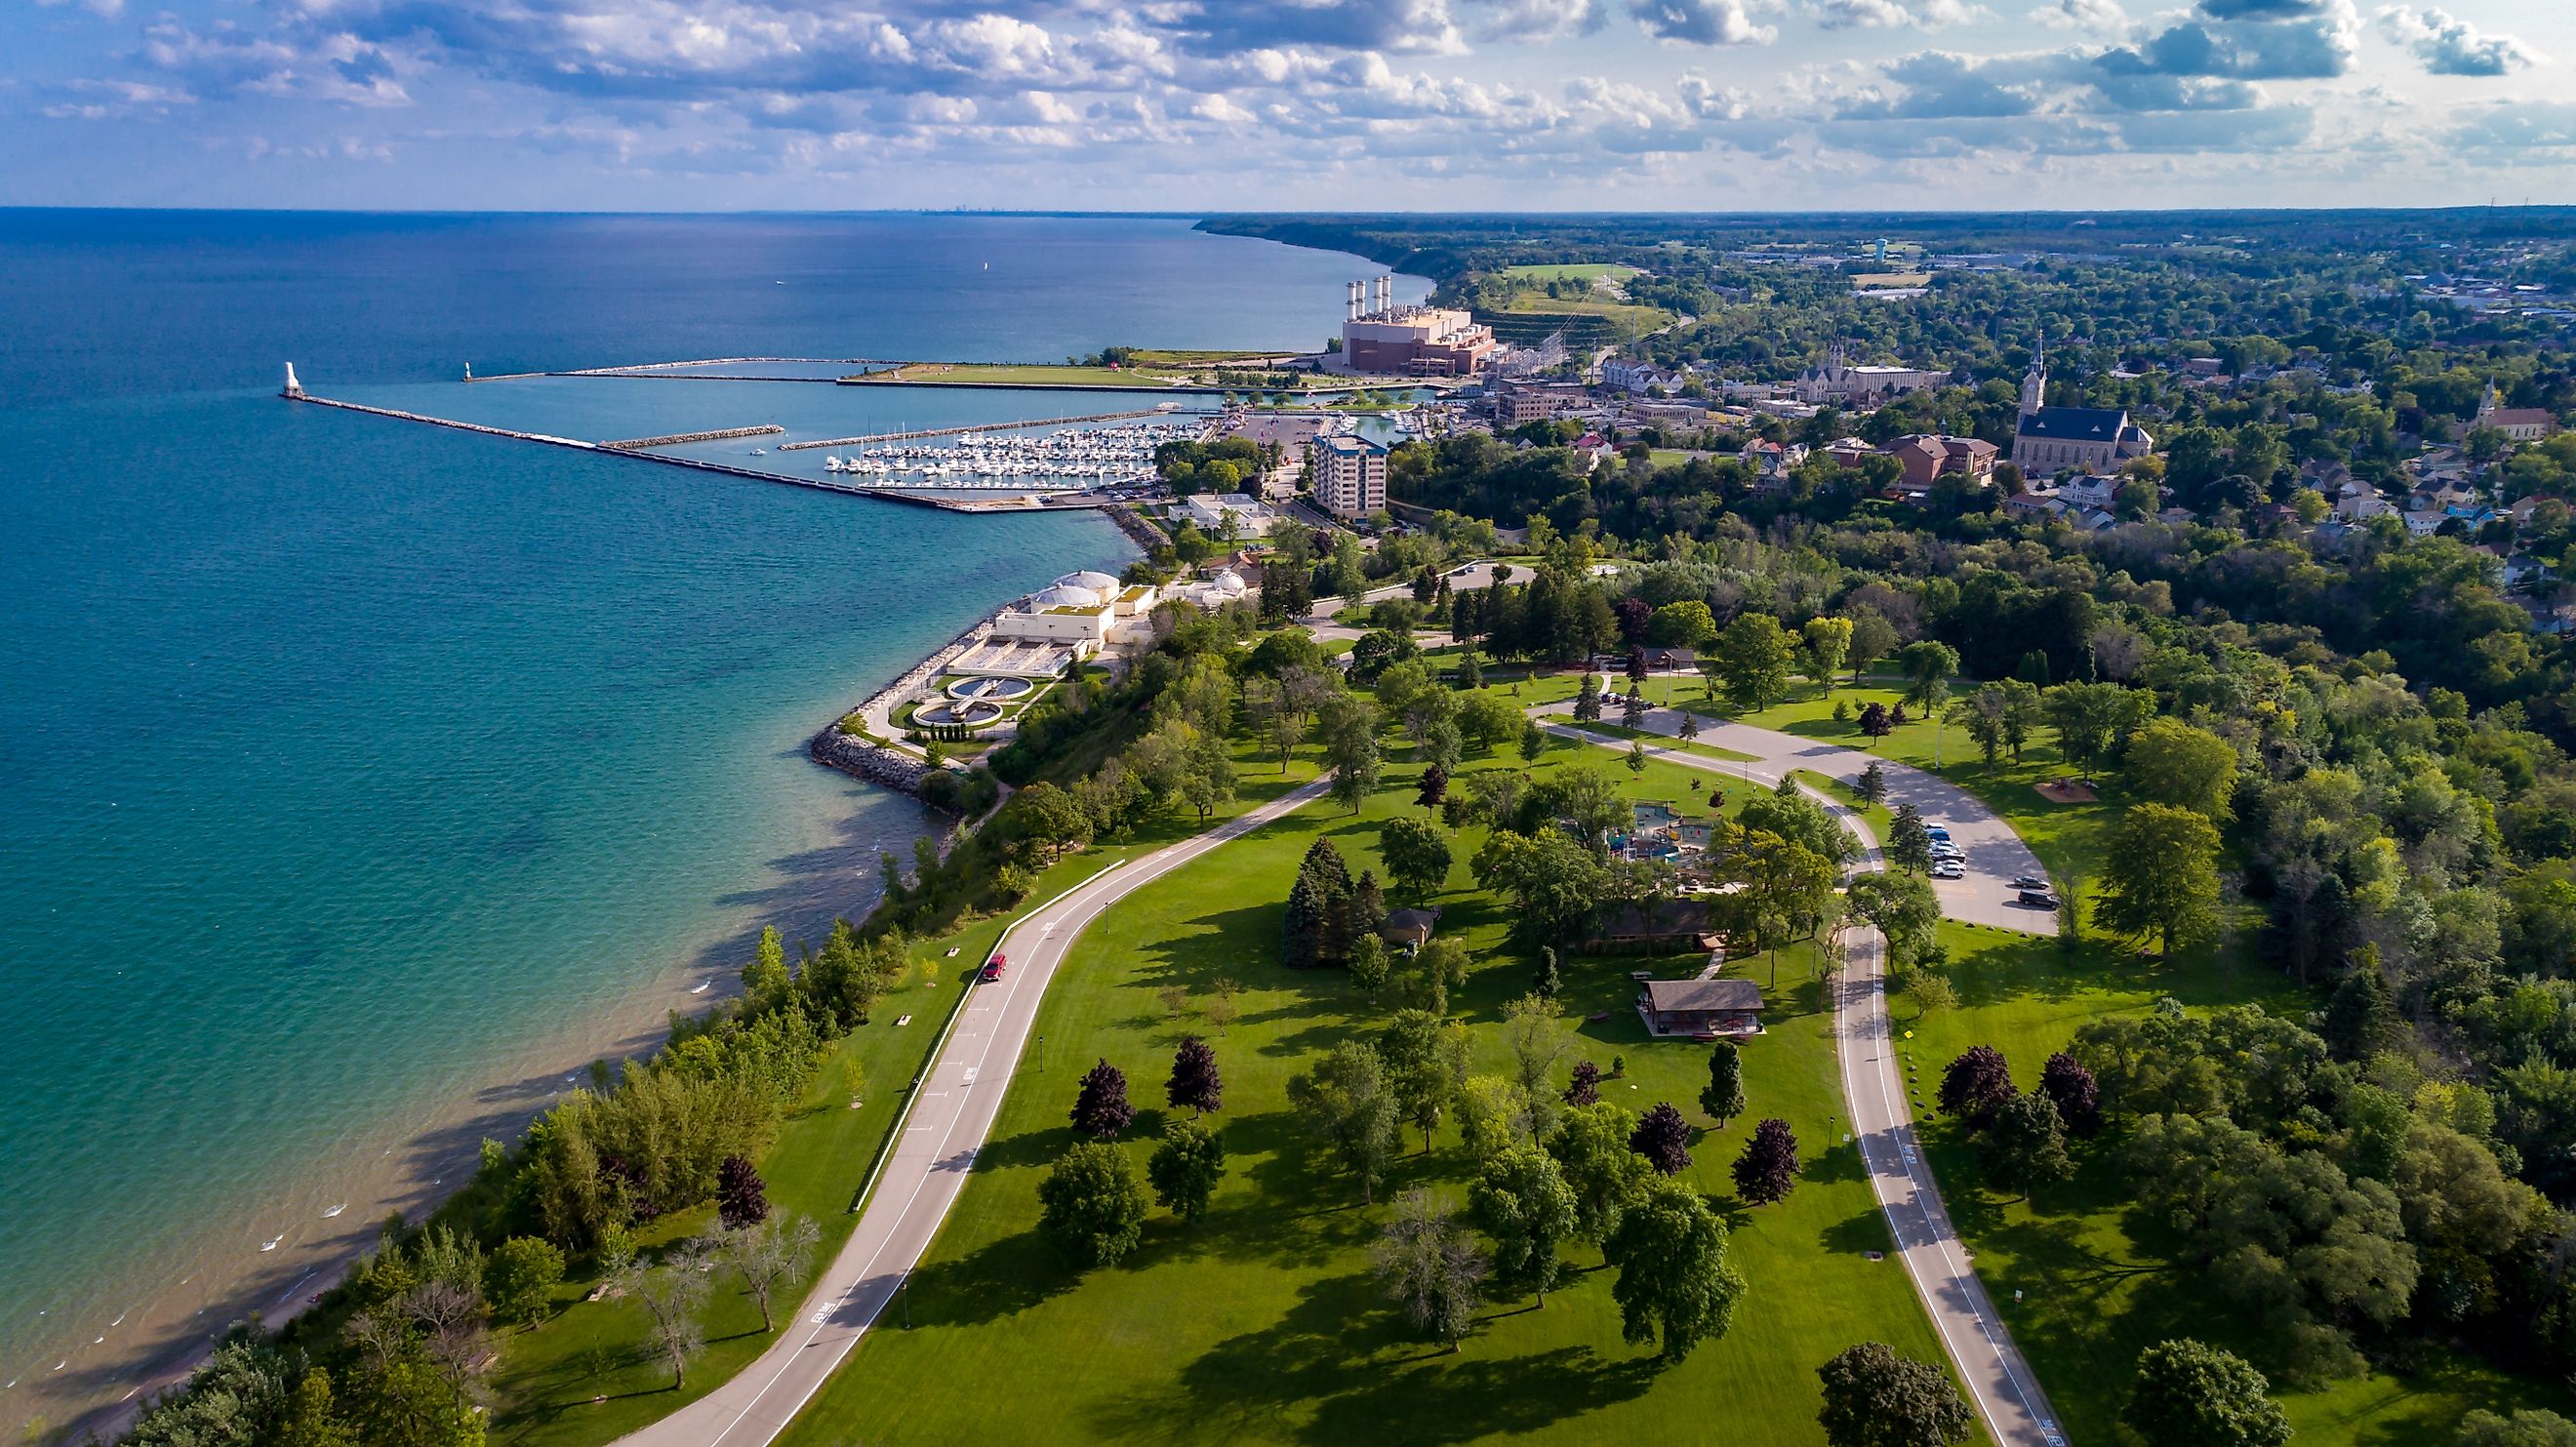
x: 1570, y: 270
x: 1261, y: 1324
x: 2098, y: 1279
x: 547, y: 1380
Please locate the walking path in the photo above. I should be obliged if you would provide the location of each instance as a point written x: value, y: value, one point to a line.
x: 951, y: 1112
x: 2000, y: 1382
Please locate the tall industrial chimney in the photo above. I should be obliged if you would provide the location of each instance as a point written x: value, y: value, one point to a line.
x: 1351, y: 310
x: 1386, y: 293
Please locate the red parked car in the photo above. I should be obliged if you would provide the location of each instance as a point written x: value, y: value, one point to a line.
x: 993, y: 968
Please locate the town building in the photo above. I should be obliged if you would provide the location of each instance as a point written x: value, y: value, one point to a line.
x: 1228, y: 514
x: 1410, y: 341
x: 2051, y: 440
x: 1838, y: 383
x: 2519, y: 424
x: 1927, y: 457
x: 1075, y: 616
x: 1350, y: 476
x: 1624, y: 375
x: 1700, y: 1009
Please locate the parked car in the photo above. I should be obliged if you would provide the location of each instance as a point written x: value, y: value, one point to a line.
x: 2039, y: 898
x: 1949, y: 869
x: 1938, y: 834
x: 2032, y: 881
x: 1949, y: 851
x: 993, y: 968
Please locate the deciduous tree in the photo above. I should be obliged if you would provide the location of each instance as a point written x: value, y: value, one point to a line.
x: 1875, y: 1398
x: 1521, y: 1200
x: 1100, y: 1109
x: 2190, y: 1394
x: 1662, y: 1137
x: 1767, y: 1169
x: 1976, y: 1084
x: 1185, y: 1168
x: 1090, y: 1205
x: 1195, y: 1083
x: 1675, y: 1283
x: 1345, y: 1101
x: 2160, y: 877
x: 1430, y: 1266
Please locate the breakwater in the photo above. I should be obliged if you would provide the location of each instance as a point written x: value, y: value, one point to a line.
x: 675, y: 439
x: 916, y: 498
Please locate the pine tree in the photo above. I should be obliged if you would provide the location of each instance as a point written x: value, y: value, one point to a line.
x: 1366, y: 914
x: 1871, y: 786
x: 2360, y: 1017
x: 1548, y: 982
x: 1101, y: 1110
x: 1723, y: 1100
x: 1195, y: 1082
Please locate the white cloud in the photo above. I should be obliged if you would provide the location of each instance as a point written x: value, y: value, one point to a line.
x: 1526, y: 21
x: 1704, y: 22
x: 2451, y: 46
x: 1895, y: 14
x: 2091, y: 15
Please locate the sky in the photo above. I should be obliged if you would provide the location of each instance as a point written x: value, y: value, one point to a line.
x: 1362, y: 105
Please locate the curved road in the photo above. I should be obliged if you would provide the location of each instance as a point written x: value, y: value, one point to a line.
x: 951, y: 1111
x: 2007, y: 1393
x: 1995, y: 854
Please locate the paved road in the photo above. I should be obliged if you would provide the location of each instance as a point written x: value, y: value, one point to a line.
x: 1995, y: 854
x: 951, y: 1113
x: 2000, y: 1382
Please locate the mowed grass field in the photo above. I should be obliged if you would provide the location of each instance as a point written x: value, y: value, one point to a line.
x: 586, y: 1375
x: 1262, y: 1324
x: 1570, y: 270
x: 2099, y: 1278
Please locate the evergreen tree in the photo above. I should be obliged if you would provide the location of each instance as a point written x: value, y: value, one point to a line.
x: 1547, y: 984
x: 2360, y: 1018
x: 1366, y: 916
x: 1723, y: 1100
x: 1101, y: 1109
x: 1909, y: 840
x: 1871, y: 786
x: 1587, y: 700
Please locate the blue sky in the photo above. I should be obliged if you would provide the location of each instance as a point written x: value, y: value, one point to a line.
x: 1194, y: 105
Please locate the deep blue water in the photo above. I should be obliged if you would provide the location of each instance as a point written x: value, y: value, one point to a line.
x: 348, y: 766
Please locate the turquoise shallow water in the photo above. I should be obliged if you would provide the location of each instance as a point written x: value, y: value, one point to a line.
x: 351, y: 766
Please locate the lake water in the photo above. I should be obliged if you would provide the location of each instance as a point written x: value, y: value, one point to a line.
x: 360, y: 774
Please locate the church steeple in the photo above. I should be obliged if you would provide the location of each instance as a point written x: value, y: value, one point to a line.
x: 2034, y: 384
x: 2488, y: 401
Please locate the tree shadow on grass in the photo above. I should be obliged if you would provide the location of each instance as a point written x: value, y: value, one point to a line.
x: 1857, y: 1233
x: 1017, y: 1273
x: 1341, y: 1355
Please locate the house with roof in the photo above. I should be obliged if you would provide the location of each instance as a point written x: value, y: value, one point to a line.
x: 1410, y: 929
x: 1926, y: 457
x: 1666, y: 924
x: 1700, y: 1009
x: 2051, y: 440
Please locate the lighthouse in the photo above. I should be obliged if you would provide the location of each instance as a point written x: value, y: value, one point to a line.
x: 294, y: 388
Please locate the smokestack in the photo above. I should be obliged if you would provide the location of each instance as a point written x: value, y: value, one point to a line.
x: 1386, y: 293
x: 1351, y: 300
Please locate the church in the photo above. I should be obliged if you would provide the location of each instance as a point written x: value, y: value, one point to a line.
x: 2050, y: 441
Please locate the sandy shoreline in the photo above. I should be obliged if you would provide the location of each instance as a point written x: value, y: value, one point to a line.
x: 410, y: 1169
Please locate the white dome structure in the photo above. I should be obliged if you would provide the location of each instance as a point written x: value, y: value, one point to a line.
x: 1097, y: 582
x: 1065, y: 595
x: 1227, y: 583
